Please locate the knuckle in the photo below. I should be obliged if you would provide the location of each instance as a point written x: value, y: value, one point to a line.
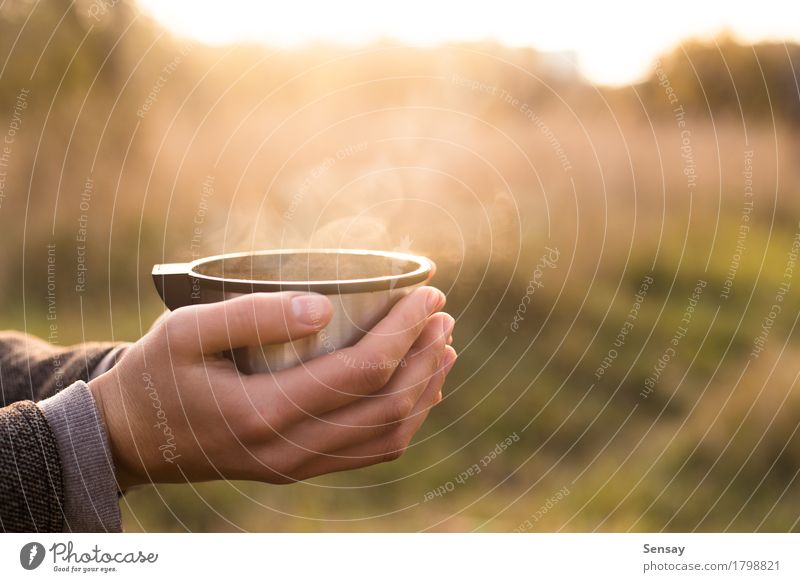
x: 252, y: 427
x: 437, y: 357
x: 280, y: 471
x: 174, y: 322
x: 282, y: 462
x: 416, y: 325
x: 394, y: 448
x: 172, y: 329
x: 377, y: 358
x: 398, y: 408
x: 390, y: 456
x: 252, y: 433
x: 366, y: 379
x: 385, y: 374
x: 278, y: 414
x: 372, y: 374
x: 290, y: 466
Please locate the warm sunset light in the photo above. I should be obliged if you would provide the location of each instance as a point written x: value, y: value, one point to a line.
x: 607, y: 47
x: 441, y: 266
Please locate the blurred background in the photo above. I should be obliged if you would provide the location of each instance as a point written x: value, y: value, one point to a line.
x: 612, y: 199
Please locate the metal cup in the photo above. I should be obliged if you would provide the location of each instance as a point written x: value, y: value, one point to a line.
x: 361, y: 285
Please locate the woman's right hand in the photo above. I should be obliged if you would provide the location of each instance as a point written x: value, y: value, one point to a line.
x: 176, y: 410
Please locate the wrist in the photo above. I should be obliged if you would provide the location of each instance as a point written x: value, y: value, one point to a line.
x: 102, y: 389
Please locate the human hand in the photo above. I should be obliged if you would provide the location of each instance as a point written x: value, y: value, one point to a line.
x: 176, y: 410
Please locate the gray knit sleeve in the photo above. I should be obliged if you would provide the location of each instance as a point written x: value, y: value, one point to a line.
x: 90, y: 488
x: 32, y: 369
x: 31, y: 497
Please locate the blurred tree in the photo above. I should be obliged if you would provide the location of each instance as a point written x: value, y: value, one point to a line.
x: 725, y: 78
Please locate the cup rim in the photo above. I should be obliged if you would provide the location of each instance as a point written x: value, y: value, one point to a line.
x: 421, y: 273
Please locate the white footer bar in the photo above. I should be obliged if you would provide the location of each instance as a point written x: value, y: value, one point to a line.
x: 402, y: 557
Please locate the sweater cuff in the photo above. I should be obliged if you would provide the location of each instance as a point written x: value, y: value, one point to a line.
x: 90, y: 488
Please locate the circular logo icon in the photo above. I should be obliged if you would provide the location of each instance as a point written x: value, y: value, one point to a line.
x: 31, y: 555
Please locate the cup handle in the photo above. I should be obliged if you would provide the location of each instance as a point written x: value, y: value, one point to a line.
x: 174, y: 284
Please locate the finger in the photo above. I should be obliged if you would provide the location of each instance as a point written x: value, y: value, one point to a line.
x: 374, y: 415
x: 333, y: 380
x: 432, y: 397
x: 387, y: 448
x: 396, y: 332
x: 161, y: 318
x: 252, y: 319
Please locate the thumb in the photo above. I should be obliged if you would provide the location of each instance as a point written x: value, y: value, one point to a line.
x: 249, y: 320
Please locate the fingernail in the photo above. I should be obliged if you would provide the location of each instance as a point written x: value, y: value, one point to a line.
x: 310, y: 309
x: 447, y: 326
x: 435, y: 299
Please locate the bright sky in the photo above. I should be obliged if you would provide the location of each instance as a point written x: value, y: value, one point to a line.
x: 615, y: 41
